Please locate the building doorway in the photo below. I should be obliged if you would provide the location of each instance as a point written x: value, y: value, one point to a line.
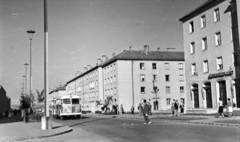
x: 208, y: 91
x: 155, y: 104
x: 195, y: 95
x: 223, y: 92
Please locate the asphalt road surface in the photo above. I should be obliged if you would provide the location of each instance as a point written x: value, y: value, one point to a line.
x: 96, y: 129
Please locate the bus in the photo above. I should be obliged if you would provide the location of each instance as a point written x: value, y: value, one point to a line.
x: 66, y: 106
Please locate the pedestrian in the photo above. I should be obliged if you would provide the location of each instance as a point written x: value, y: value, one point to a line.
x: 122, y: 110
x: 172, y: 107
x: 181, y: 108
x: 145, y: 112
x: 229, y: 107
x: 6, y: 113
x: 176, y: 108
x: 220, y: 108
x: 132, y: 110
x: 150, y: 108
x: 140, y: 109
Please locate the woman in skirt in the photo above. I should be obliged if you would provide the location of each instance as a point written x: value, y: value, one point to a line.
x: 220, y: 108
x: 229, y: 108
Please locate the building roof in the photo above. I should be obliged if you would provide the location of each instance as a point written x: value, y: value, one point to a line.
x: 62, y: 88
x: 138, y: 55
x: 200, y: 9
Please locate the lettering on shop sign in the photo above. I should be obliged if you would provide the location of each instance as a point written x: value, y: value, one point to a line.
x: 220, y: 74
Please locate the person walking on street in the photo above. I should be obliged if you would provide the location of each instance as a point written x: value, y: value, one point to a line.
x: 220, y: 108
x: 132, y: 110
x: 176, y: 108
x: 181, y: 108
x: 145, y: 112
x: 6, y: 113
x: 229, y: 107
x: 172, y: 107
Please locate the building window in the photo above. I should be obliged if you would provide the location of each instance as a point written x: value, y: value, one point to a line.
x: 142, y: 78
x: 166, y: 66
x: 155, y: 78
x: 218, y: 40
x: 168, y: 101
x: 205, y: 66
x: 203, y: 21
x: 167, y: 77
x: 142, y: 66
x: 181, y: 78
x: 219, y: 63
x: 114, y: 67
x: 181, y: 89
x: 191, y: 27
x: 168, y: 89
x: 192, y: 48
x: 142, y: 90
x: 154, y: 66
x: 114, y: 79
x: 216, y: 14
x: 180, y: 66
x: 204, y: 43
x: 194, y: 70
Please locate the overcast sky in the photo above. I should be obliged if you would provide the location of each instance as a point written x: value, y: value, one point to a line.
x: 80, y: 31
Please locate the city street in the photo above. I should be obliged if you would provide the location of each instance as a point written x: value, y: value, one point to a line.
x: 92, y: 128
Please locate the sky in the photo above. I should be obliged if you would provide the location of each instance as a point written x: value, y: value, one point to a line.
x: 80, y: 32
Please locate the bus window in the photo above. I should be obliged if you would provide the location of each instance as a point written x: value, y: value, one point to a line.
x: 66, y: 101
x: 75, y: 101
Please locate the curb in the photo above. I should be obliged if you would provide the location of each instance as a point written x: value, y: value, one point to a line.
x: 184, y: 121
x: 40, y: 137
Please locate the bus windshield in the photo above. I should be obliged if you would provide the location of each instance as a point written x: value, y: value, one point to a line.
x: 75, y: 101
x: 66, y: 101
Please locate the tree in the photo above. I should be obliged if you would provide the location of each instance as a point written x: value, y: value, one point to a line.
x: 40, y: 96
x: 24, y: 101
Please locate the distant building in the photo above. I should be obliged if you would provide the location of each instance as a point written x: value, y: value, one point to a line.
x: 212, y: 54
x: 5, y: 101
x: 129, y: 78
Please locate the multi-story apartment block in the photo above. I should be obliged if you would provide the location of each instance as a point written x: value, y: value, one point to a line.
x: 129, y: 78
x: 5, y: 101
x: 211, y: 46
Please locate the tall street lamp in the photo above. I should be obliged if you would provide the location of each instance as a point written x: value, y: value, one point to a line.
x: 26, y: 65
x: 23, y: 87
x: 30, y: 33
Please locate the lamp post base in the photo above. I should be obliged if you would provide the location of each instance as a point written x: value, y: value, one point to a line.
x: 46, y: 123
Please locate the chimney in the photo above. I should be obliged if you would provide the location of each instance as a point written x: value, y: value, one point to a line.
x: 158, y: 49
x: 113, y: 54
x: 89, y: 66
x: 99, y: 61
x: 86, y: 69
x: 104, y: 58
x: 146, y: 49
x: 130, y: 48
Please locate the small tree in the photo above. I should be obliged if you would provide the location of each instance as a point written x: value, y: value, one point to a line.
x: 40, y: 96
x: 25, y: 101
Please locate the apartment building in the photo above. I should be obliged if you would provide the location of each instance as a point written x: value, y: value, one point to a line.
x: 211, y: 47
x: 5, y: 101
x: 129, y: 77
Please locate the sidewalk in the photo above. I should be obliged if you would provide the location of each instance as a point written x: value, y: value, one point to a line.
x: 188, y: 118
x: 14, y: 129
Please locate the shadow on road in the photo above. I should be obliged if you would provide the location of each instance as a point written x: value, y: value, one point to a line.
x: 88, y: 121
x: 11, y: 119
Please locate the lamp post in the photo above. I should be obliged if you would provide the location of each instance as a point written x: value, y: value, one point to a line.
x: 23, y: 87
x: 30, y: 33
x: 26, y: 65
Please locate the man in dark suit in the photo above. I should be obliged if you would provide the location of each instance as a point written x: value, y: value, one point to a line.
x: 145, y: 112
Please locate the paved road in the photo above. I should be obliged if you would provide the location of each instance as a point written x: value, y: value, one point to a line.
x: 94, y: 129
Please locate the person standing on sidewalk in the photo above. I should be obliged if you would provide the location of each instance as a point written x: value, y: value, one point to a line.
x: 181, y: 108
x: 176, y: 107
x: 132, y: 110
x: 229, y: 107
x: 122, y: 110
x: 172, y: 107
x: 150, y: 108
x: 220, y: 108
x: 145, y: 112
x: 140, y: 109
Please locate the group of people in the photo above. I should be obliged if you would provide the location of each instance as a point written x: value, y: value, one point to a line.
x: 175, y: 106
x: 10, y: 113
x: 229, y: 107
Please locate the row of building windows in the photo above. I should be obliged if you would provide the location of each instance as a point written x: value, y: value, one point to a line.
x: 111, y: 91
x: 166, y: 66
x: 167, y: 78
x: 110, y: 80
x: 167, y: 89
x: 109, y: 69
x: 203, y: 20
x: 219, y: 64
x: 168, y: 101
